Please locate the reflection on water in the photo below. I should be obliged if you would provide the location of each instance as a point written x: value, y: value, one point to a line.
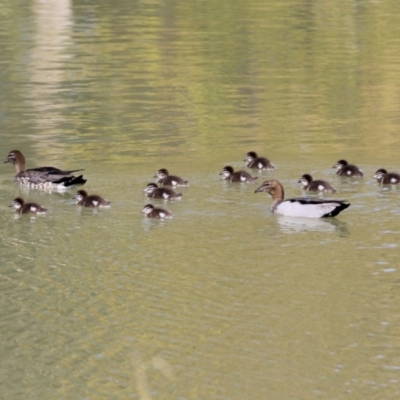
x: 48, y: 55
x: 328, y: 225
x: 226, y: 300
x: 141, y: 373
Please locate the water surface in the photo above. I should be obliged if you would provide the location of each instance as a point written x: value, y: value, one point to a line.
x: 225, y: 301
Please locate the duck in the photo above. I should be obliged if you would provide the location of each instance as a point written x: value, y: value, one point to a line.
x: 317, y: 185
x: 239, y: 176
x: 387, y: 178
x: 164, y: 178
x: 152, y: 190
x: 27, y: 208
x: 43, y: 177
x: 343, y: 168
x: 261, y: 163
x: 93, y: 200
x: 302, y: 206
x: 158, y: 213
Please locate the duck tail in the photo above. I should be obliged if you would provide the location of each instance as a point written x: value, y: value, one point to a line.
x: 72, y: 181
x: 341, y: 206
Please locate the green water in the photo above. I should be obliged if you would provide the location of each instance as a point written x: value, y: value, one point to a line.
x: 226, y: 300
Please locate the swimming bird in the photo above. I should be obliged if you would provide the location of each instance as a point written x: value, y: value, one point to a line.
x: 387, y: 178
x: 158, y: 213
x: 27, y: 208
x: 239, y: 176
x: 261, y: 163
x: 164, y: 178
x: 317, y: 185
x: 343, y: 168
x: 152, y: 190
x: 93, y: 200
x: 302, y: 206
x: 42, y: 177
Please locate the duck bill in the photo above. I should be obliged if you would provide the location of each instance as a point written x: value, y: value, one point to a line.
x: 259, y: 189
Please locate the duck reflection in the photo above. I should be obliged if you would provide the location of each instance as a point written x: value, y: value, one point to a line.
x: 328, y: 225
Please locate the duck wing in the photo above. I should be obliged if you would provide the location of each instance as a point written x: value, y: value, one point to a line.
x: 54, y: 170
x: 44, y: 175
x: 311, y: 208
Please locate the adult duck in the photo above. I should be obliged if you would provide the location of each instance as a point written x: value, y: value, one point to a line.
x: 301, y: 206
x: 48, y: 178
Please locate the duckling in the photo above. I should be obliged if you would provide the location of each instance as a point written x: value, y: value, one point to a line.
x: 83, y: 199
x: 310, y: 184
x: 239, y: 176
x: 27, y: 208
x: 387, y: 178
x: 261, y: 163
x: 158, y: 213
x: 300, y: 207
x: 152, y: 190
x: 164, y: 178
x: 343, y: 168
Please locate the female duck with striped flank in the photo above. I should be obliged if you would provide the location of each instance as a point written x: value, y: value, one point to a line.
x: 302, y: 206
x: 157, y: 213
x: 343, y: 168
x: 27, y: 208
x: 164, y: 178
x: 43, y: 177
x: 152, y: 190
x: 239, y: 176
x: 261, y: 163
x: 317, y: 185
x: 387, y: 178
x: 93, y: 200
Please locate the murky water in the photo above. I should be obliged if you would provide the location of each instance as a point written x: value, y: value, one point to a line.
x: 225, y: 301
